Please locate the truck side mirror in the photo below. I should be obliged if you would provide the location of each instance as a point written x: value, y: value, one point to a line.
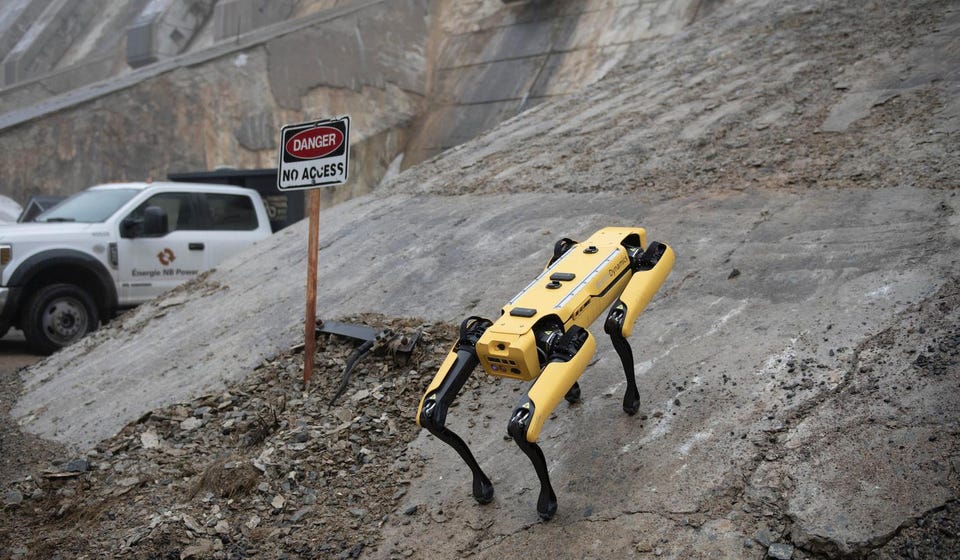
x: 131, y: 227
x: 152, y: 224
x: 154, y: 221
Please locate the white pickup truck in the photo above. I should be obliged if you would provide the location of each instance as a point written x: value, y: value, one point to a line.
x: 115, y: 246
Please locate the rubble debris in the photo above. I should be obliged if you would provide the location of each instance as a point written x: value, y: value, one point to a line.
x: 226, y: 475
x: 780, y: 551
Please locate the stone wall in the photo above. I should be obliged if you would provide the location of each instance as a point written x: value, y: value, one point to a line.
x: 228, y: 110
x: 491, y: 63
x: 420, y: 76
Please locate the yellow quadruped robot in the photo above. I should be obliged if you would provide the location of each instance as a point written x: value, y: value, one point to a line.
x: 541, y: 336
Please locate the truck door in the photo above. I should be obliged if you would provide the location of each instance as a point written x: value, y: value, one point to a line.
x: 152, y: 264
x: 233, y: 225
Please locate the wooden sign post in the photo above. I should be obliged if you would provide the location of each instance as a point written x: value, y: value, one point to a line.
x: 313, y: 155
x: 310, y: 321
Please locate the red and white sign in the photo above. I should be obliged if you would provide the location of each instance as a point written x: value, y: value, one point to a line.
x: 314, y: 154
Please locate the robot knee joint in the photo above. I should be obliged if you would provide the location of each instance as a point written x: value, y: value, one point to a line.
x: 613, y: 326
x: 520, y: 422
x: 432, y: 416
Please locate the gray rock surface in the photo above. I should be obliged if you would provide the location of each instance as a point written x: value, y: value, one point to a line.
x: 780, y: 551
x: 728, y: 366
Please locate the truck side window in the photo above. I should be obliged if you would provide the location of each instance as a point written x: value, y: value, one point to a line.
x: 179, y: 209
x: 231, y: 212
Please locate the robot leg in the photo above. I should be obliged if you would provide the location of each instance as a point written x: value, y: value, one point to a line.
x: 652, y: 268
x: 432, y: 413
x: 556, y: 382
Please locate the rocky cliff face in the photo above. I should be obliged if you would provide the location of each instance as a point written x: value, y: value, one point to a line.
x: 418, y: 77
x: 489, y: 63
x: 224, y: 105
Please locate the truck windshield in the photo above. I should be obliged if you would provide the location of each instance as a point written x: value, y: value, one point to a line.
x: 90, y: 206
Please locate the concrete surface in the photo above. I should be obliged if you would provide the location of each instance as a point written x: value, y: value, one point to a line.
x: 96, y: 53
x: 17, y: 17
x: 236, y: 17
x: 491, y: 65
x: 737, y: 370
x: 48, y: 38
x: 164, y: 28
x: 188, y: 113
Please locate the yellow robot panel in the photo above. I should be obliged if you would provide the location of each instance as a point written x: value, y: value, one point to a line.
x: 643, y: 287
x: 576, y: 289
x: 553, y: 384
x: 507, y: 353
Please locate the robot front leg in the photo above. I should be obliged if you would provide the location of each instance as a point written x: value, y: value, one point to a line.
x: 556, y: 382
x: 614, y: 328
x: 452, y: 375
x: 651, y: 270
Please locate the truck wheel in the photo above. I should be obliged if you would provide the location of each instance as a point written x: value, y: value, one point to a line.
x: 58, y: 315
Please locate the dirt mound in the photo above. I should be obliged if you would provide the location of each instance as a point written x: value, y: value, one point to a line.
x: 261, y: 469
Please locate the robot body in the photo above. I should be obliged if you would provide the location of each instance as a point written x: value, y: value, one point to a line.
x: 541, y: 336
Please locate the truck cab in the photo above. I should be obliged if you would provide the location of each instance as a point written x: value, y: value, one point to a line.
x: 115, y: 246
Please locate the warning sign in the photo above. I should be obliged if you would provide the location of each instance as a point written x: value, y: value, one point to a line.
x: 314, y: 154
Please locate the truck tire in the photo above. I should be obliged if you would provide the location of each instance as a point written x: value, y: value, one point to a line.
x: 57, y: 315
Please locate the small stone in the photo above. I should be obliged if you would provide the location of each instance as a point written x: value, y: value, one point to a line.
x: 780, y: 551
x: 764, y: 537
x: 278, y: 502
x: 201, y: 549
x: 644, y: 546
x: 298, y: 515
x: 191, y: 424
x: 733, y: 274
x: 78, y: 465
x: 13, y: 498
x: 410, y: 510
x: 150, y: 440
x: 192, y: 524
